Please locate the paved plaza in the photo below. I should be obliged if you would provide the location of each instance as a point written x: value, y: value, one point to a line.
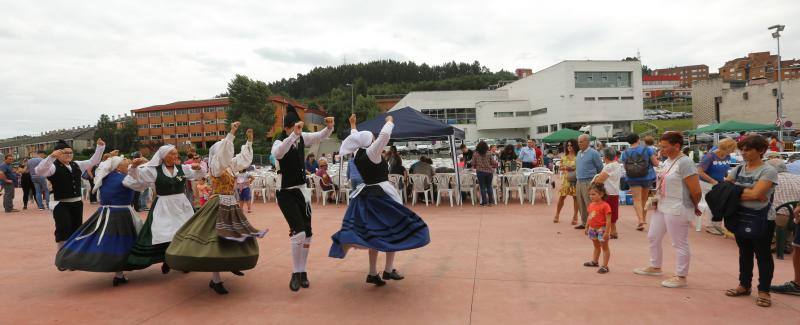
x: 500, y: 265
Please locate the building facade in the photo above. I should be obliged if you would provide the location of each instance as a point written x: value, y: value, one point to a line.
x: 200, y: 123
x: 716, y: 100
x: 759, y: 65
x: 569, y: 94
x: 664, y: 87
x: 687, y: 74
x: 79, y: 138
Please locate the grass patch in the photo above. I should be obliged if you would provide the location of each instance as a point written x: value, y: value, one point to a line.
x: 663, y: 125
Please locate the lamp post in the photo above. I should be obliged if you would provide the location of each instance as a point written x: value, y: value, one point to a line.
x: 777, y: 36
x: 352, y: 102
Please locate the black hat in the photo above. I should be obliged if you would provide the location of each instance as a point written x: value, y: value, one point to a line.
x: 291, y: 116
x: 61, y: 144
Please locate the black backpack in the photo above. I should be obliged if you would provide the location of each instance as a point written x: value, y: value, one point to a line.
x: 637, y: 163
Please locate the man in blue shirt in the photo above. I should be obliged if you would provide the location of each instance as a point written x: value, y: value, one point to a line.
x: 41, y: 193
x: 527, y: 155
x: 587, y: 165
x: 9, y: 180
x: 794, y: 164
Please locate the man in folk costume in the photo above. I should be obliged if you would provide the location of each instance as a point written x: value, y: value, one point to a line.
x: 219, y: 238
x: 103, y: 242
x: 294, y: 197
x: 65, y: 175
x: 376, y: 218
x: 170, y: 210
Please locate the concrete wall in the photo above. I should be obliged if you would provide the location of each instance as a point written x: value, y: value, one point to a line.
x: 759, y: 107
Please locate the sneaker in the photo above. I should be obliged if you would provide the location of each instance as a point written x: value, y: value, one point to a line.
x: 714, y: 230
x: 675, y: 282
x: 788, y: 288
x: 580, y: 227
x: 647, y: 271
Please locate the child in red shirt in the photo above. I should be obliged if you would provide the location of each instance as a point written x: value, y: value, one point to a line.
x: 600, y: 218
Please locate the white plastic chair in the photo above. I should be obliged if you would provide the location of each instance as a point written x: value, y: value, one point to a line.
x: 514, y: 181
x: 323, y: 194
x: 258, y: 187
x: 396, y: 179
x: 442, y: 182
x: 496, y: 187
x: 420, y: 184
x: 539, y: 181
x: 468, y: 184
x: 344, y: 189
x: 525, y: 170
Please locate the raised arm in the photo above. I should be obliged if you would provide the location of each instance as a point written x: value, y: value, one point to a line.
x: 132, y: 183
x: 376, y: 148
x: 96, y: 157
x: 193, y: 171
x: 45, y: 168
x: 143, y: 174
x: 311, y: 139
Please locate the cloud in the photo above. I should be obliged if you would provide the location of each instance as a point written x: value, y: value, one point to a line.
x: 297, y: 55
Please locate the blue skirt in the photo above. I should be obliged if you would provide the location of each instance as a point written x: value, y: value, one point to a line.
x: 92, y: 249
x: 376, y: 221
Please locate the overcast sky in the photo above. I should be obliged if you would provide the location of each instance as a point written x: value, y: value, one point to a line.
x: 63, y: 63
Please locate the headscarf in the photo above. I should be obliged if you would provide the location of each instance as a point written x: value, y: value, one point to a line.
x: 291, y: 116
x: 61, y: 144
x: 158, y: 158
x: 355, y: 141
x: 106, y: 167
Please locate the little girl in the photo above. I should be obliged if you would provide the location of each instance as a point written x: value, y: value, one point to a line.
x: 243, y: 181
x: 203, y: 191
x: 600, y: 218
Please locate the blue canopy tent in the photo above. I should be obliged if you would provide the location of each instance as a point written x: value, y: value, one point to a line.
x: 412, y: 125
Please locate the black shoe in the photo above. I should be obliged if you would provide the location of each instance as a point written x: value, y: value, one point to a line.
x: 239, y: 273
x: 294, y: 284
x: 119, y: 281
x: 376, y: 280
x: 164, y: 268
x: 218, y: 288
x: 580, y: 227
x: 393, y: 275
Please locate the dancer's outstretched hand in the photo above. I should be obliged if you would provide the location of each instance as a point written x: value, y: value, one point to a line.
x: 389, y: 118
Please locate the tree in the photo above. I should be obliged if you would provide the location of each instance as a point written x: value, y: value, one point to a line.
x: 250, y: 104
x: 646, y: 71
x: 105, y: 130
x: 125, y: 137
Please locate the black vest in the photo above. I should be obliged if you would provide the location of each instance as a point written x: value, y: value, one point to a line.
x: 293, y: 167
x: 166, y: 185
x: 371, y: 172
x: 66, y: 183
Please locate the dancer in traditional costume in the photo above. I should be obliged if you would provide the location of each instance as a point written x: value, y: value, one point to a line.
x: 376, y: 218
x: 103, y: 242
x: 170, y: 209
x: 294, y: 197
x: 65, y: 175
x: 219, y: 238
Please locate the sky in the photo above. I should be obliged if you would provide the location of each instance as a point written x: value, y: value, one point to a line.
x: 63, y: 63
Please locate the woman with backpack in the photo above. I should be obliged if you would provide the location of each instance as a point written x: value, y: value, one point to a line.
x: 639, y: 161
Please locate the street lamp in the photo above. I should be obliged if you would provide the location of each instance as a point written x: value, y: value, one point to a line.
x: 777, y: 36
x: 352, y: 102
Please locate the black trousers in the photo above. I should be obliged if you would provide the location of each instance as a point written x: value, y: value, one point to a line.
x: 27, y: 191
x: 760, y: 248
x: 136, y: 203
x: 92, y: 194
x: 295, y: 210
x: 68, y: 217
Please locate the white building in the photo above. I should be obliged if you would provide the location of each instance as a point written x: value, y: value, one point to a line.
x: 568, y: 94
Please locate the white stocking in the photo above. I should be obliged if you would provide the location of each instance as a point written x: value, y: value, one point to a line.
x: 119, y: 275
x: 389, y: 262
x: 297, y: 251
x: 215, y: 277
x: 373, y: 262
x: 306, y: 248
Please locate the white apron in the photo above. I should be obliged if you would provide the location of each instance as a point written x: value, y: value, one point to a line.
x: 169, y: 215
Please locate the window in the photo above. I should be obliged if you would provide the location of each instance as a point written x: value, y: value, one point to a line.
x: 539, y: 111
x: 597, y: 79
x: 210, y: 109
x: 222, y: 121
x: 195, y: 122
x: 553, y: 127
x: 222, y: 133
x: 210, y: 122
x: 523, y: 113
x: 181, y: 111
x: 627, y: 97
x: 220, y: 109
x: 452, y: 115
x: 155, y: 137
x: 155, y: 126
x: 196, y: 135
x: 143, y: 126
x: 745, y: 96
x: 167, y: 113
x: 141, y: 115
x: 183, y: 123
x: 155, y: 114
x: 503, y: 114
x: 588, y: 98
x: 169, y: 125
x: 182, y: 135
x: 168, y: 136
x: 541, y: 129
x: 211, y: 134
x: 607, y: 98
x: 141, y: 138
x: 195, y: 110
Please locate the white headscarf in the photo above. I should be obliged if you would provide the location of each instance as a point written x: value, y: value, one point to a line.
x: 105, y: 168
x: 158, y: 158
x: 355, y: 141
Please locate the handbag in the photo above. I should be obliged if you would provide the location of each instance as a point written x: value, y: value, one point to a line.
x: 572, y: 177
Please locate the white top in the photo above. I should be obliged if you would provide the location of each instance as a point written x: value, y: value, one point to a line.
x: 46, y: 167
x: 279, y: 148
x: 375, y: 149
x: 221, y: 156
x: 673, y: 195
x: 614, y: 171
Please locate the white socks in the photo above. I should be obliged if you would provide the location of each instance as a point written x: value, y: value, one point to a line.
x: 373, y: 262
x: 389, y: 262
x: 215, y: 277
x: 298, y: 241
x: 306, y: 247
x: 120, y: 275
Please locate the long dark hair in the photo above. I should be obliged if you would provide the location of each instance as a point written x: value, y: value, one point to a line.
x: 482, y: 148
x: 574, y: 144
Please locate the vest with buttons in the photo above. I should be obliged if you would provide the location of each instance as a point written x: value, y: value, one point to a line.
x: 293, y: 167
x: 371, y: 172
x: 66, y: 183
x: 166, y: 185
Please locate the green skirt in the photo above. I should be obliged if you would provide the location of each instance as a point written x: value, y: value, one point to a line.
x: 197, y: 246
x: 144, y: 253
